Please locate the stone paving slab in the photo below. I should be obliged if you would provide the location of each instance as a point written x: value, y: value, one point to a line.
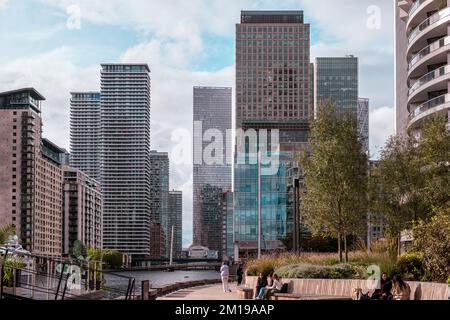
x: 209, y: 292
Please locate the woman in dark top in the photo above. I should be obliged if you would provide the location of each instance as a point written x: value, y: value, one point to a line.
x: 384, y: 293
x: 239, y: 274
x: 262, y: 283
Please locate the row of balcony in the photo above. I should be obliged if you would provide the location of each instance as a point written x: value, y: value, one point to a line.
x: 438, y: 16
x: 431, y: 106
x: 435, y: 74
x: 427, y: 51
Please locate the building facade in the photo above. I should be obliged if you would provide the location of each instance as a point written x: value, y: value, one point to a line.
x: 212, y: 123
x: 273, y: 94
x: 175, y: 220
x: 82, y: 213
x: 422, y: 62
x: 31, y: 174
x: 336, y: 79
x: 363, y: 122
x: 125, y: 158
x: 85, y: 142
x: 227, y: 225
x: 159, y: 207
x: 273, y: 80
x: 211, y: 206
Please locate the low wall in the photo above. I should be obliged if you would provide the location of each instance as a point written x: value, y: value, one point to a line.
x: 343, y: 287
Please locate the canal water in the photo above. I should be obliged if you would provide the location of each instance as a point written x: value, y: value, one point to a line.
x: 158, y: 278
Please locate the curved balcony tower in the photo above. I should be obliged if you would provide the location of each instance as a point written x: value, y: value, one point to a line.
x: 423, y: 61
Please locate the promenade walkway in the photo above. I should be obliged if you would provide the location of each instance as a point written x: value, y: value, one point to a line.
x: 209, y: 292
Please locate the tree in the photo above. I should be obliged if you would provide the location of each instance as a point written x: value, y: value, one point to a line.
x: 5, y: 233
x: 434, y: 153
x: 412, y: 178
x: 335, y: 172
x: 395, y: 188
x: 432, y: 240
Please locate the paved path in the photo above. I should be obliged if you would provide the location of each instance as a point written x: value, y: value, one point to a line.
x: 209, y: 292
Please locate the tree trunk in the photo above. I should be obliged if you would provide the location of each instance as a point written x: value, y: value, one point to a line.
x: 399, y: 245
x: 339, y: 247
x: 345, y: 248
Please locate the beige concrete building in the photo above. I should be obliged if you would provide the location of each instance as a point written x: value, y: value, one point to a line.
x: 422, y: 62
x: 83, y: 212
x: 30, y: 174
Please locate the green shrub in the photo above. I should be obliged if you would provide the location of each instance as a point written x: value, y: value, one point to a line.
x: 410, y: 265
x: 432, y: 240
x: 310, y: 271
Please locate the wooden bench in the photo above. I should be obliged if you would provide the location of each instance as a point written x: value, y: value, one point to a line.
x: 245, y: 293
x: 296, y: 296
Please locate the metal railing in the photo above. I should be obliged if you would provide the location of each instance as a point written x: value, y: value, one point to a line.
x: 428, y: 22
x: 44, y: 278
x: 416, y: 4
x: 429, y: 77
x: 428, y: 50
x: 430, y: 104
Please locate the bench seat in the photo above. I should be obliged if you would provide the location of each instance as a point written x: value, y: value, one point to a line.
x: 296, y: 296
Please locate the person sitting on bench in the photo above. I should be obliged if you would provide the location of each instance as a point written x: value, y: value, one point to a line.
x: 265, y: 292
x: 262, y: 283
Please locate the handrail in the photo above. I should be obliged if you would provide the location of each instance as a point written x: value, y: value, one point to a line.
x: 429, y: 77
x: 429, y: 105
x: 428, y: 22
x: 416, y: 4
x: 438, y: 44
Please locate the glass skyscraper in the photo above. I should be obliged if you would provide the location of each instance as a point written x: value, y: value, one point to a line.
x: 175, y: 219
x: 363, y: 122
x: 336, y: 79
x: 212, y: 115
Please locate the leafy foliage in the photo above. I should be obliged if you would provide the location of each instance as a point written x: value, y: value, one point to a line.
x: 335, y: 171
x: 5, y: 233
x: 310, y: 271
x: 432, y: 240
x: 410, y: 265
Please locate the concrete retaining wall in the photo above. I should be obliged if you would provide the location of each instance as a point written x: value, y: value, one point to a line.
x: 328, y: 287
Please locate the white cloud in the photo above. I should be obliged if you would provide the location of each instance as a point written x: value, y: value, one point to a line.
x: 3, y: 3
x: 382, y: 126
x: 54, y: 76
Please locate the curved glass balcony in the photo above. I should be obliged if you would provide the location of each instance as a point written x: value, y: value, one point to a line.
x: 416, y: 4
x: 428, y: 22
x: 428, y: 50
x: 430, y: 104
x: 429, y: 77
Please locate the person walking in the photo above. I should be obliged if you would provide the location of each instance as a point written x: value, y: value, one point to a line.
x: 239, y: 274
x: 225, y: 274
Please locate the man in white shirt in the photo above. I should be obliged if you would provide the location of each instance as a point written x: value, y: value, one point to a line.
x: 225, y: 274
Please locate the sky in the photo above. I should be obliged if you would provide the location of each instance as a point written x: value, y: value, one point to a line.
x: 57, y: 46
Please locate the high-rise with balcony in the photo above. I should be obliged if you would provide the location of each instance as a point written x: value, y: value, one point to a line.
x: 422, y: 62
x: 85, y: 143
x: 125, y: 158
x: 212, y: 124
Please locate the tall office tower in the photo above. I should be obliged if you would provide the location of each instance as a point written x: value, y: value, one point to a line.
x: 336, y: 79
x: 211, y: 207
x: 159, y: 191
x: 30, y: 174
x: 212, y: 119
x: 82, y: 211
x: 422, y: 62
x: 125, y: 158
x: 176, y: 221
x: 85, y: 143
x: 227, y: 224
x: 273, y: 75
x: 273, y: 92
x: 363, y: 122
